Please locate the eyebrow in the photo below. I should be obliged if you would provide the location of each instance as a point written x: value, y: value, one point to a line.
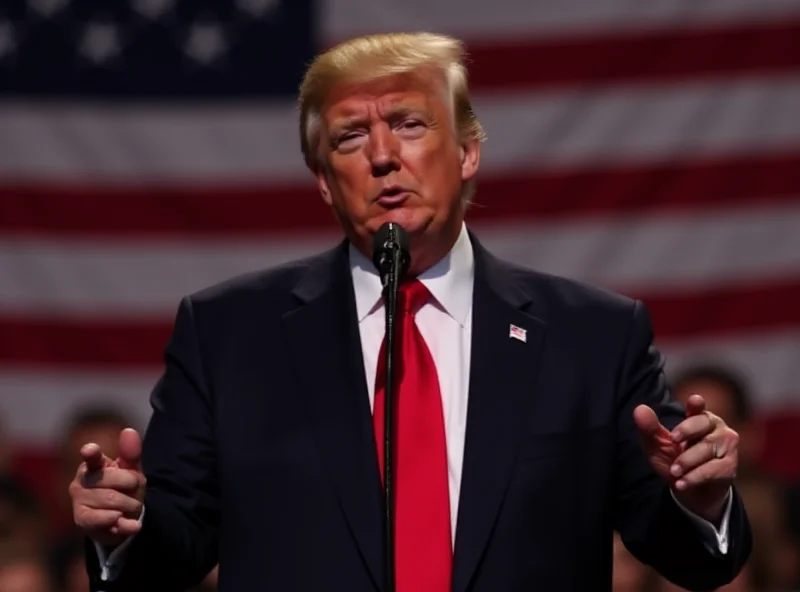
x: 394, y: 112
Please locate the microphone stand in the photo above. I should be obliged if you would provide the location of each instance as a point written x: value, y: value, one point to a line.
x: 390, y: 254
x: 390, y: 295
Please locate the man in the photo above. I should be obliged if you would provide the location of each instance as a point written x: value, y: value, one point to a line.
x: 23, y: 570
x: 92, y: 422
x: 523, y: 399
x: 775, y: 561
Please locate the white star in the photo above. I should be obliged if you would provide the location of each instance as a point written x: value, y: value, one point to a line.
x: 205, y: 43
x: 152, y: 9
x: 258, y: 8
x: 100, y: 42
x: 8, y: 39
x: 48, y: 8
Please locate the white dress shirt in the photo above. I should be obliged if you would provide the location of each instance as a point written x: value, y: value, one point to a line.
x: 445, y: 323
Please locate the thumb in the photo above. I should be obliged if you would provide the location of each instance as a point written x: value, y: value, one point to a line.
x: 130, y: 450
x: 650, y: 429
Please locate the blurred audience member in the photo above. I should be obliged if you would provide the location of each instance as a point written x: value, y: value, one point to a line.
x: 775, y: 562
x: 727, y: 395
x: 22, y: 570
x: 743, y: 583
x: 209, y: 583
x: 68, y: 566
x: 630, y: 575
x: 793, y: 503
x: 5, y: 452
x: 97, y: 423
x: 22, y: 523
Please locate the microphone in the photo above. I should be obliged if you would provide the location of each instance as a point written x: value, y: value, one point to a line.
x: 390, y: 254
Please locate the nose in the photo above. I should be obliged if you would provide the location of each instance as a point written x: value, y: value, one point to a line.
x: 383, y: 151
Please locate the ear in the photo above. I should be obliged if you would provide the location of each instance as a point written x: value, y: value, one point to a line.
x: 322, y: 184
x: 470, y: 159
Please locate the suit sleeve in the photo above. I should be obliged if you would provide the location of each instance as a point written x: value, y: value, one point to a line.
x: 178, y: 543
x: 649, y: 521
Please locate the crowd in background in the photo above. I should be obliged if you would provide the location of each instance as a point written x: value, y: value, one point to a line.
x: 772, y: 506
x: 40, y: 549
x: 41, y: 552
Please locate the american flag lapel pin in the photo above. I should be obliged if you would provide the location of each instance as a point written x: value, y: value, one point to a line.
x: 515, y: 332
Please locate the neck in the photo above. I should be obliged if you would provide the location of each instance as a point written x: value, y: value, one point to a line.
x: 427, y: 251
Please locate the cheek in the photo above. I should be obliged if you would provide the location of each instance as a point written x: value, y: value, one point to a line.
x: 349, y: 182
x: 438, y: 168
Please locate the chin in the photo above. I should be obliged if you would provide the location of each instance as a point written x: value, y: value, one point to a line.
x: 413, y: 222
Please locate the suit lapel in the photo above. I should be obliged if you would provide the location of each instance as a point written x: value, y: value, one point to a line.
x: 324, y: 339
x: 502, y: 375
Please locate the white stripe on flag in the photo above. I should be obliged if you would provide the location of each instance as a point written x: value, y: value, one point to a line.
x: 43, y: 400
x: 663, y: 253
x: 36, y: 405
x: 767, y: 360
x: 526, y: 131
x: 501, y: 18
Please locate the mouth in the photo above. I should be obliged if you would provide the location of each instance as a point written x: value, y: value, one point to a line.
x: 393, y: 195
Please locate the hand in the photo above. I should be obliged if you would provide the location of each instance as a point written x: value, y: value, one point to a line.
x: 107, y: 495
x: 698, y: 458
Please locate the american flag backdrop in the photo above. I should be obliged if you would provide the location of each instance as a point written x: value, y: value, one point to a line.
x: 148, y: 148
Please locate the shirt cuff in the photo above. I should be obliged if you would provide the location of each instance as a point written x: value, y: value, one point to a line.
x: 112, y: 564
x: 716, y: 540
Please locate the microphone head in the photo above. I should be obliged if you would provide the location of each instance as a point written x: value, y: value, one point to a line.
x: 390, y: 238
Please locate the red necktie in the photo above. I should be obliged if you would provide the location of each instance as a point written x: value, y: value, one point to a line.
x: 423, y: 548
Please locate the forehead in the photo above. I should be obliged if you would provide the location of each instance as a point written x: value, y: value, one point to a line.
x: 353, y: 99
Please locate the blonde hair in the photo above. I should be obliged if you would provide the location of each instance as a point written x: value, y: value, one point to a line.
x: 372, y: 57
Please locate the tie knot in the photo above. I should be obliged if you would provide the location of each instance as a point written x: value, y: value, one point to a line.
x: 412, y: 295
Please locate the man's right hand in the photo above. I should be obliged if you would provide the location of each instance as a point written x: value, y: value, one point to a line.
x: 107, y: 494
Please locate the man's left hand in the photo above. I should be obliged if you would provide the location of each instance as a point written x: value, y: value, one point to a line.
x: 698, y: 458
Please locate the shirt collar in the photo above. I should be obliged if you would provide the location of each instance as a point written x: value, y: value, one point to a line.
x: 449, y: 281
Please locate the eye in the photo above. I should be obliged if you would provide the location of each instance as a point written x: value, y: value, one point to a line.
x: 411, y: 128
x: 345, y: 139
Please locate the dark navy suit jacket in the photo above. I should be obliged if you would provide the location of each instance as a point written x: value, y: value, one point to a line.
x: 260, y: 452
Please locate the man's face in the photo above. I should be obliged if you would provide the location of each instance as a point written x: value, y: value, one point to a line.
x: 391, y: 153
x: 24, y: 577
x: 104, y: 435
x: 718, y: 400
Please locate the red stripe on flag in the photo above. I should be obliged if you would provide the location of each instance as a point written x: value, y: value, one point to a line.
x: 642, y: 56
x: 221, y: 211
x: 720, y: 311
x: 139, y: 343
x: 82, y: 342
x: 655, y: 188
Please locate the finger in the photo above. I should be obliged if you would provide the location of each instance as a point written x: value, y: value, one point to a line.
x: 109, y: 499
x: 696, y: 427
x: 126, y: 527
x: 93, y: 519
x: 695, y: 456
x: 650, y: 429
x: 695, y: 405
x: 721, y: 469
x: 94, y: 457
x: 130, y: 450
x: 112, y: 478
